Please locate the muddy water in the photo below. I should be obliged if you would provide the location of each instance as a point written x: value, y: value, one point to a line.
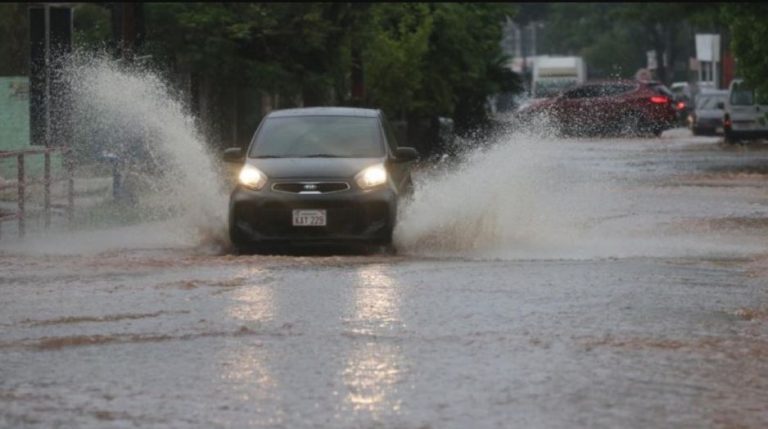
x: 636, y: 299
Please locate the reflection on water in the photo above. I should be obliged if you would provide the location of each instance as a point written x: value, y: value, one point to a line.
x: 253, y: 303
x: 374, y: 367
x: 245, y: 368
x: 371, y: 375
x: 377, y: 301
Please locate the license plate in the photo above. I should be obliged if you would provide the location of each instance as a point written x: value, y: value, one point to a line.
x: 719, y: 130
x: 309, y: 218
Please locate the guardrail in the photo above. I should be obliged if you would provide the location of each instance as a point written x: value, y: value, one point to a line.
x: 22, y: 183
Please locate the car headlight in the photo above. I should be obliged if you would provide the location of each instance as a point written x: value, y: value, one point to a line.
x: 252, y: 178
x: 372, y: 176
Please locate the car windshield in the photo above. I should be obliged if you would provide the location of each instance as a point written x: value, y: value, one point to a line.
x: 318, y: 136
x: 709, y: 102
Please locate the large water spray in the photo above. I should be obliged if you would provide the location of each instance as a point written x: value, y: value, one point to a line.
x: 132, y: 115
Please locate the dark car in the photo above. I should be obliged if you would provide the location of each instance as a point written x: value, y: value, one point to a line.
x: 320, y: 175
x: 608, y: 107
x: 707, y: 117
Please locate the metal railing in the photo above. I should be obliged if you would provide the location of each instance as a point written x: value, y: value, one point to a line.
x: 22, y: 183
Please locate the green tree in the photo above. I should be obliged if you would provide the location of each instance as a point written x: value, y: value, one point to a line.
x: 749, y: 31
x: 614, y: 37
x: 92, y: 26
x: 14, y: 40
x: 417, y: 60
x: 394, y: 57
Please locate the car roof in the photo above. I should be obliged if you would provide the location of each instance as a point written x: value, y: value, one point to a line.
x: 325, y: 111
x: 707, y: 91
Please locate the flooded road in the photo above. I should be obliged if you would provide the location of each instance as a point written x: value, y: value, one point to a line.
x: 626, y: 287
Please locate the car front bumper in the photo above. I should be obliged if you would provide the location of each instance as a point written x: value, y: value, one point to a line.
x: 353, y: 216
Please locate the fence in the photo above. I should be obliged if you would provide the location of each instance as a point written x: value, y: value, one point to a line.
x: 22, y: 183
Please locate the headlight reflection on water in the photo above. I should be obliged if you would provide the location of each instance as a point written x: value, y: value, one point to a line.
x: 374, y: 368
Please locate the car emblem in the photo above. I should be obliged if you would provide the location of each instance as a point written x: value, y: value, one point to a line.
x: 310, y: 187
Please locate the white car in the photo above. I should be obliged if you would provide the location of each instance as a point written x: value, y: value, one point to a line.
x: 746, y: 114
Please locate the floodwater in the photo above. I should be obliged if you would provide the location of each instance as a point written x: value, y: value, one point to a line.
x: 542, y: 283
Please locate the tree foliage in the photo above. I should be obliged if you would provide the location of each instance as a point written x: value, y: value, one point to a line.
x: 749, y: 32
x: 614, y: 37
x: 418, y: 58
x: 14, y: 42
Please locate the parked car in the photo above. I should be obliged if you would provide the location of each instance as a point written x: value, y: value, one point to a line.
x: 318, y: 175
x: 746, y: 113
x: 608, y: 107
x: 707, y: 116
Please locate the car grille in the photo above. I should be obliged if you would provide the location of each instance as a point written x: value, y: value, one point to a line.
x: 274, y: 219
x: 310, y: 187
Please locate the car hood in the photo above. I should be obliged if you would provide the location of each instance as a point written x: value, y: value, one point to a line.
x: 304, y: 168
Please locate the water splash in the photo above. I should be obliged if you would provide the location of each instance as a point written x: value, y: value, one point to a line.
x: 511, y: 193
x: 533, y: 195
x: 133, y: 115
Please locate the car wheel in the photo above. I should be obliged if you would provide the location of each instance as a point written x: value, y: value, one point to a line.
x: 385, y: 249
x: 240, y: 242
x: 657, y: 131
x: 633, y: 124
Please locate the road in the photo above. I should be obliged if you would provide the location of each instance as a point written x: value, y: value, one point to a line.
x: 547, y: 284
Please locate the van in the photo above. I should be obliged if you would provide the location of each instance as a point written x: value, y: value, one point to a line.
x: 746, y: 113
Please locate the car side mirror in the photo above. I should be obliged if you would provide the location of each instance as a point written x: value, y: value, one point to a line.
x: 720, y: 105
x: 233, y: 154
x: 406, y: 154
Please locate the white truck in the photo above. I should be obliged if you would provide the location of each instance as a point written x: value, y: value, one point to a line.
x: 552, y: 75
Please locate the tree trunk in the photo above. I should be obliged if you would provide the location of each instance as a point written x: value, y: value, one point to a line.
x: 358, y: 88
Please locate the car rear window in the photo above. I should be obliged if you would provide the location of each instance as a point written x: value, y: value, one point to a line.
x: 321, y: 136
x: 709, y: 102
x: 662, y: 89
x: 742, y: 95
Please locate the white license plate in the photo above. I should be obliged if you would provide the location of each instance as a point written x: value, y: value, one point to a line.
x: 309, y: 218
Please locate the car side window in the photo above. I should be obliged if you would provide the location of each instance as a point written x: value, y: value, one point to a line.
x: 390, y: 133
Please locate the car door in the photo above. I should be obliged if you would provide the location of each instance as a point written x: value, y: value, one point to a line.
x: 615, y: 103
x: 745, y: 113
x: 761, y: 111
x: 569, y: 107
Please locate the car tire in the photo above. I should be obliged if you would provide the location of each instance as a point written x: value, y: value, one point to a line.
x: 633, y: 125
x: 385, y: 249
x: 240, y: 242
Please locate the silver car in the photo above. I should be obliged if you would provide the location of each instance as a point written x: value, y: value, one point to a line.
x: 707, y: 116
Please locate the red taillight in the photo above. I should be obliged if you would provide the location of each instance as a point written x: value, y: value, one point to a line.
x: 659, y: 99
x: 680, y: 105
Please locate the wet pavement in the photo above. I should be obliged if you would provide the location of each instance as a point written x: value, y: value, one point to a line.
x: 652, y: 311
